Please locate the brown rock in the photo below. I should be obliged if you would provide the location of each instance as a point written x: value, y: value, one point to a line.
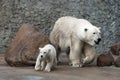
x: 105, y: 59
x: 117, y: 62
x: 23, y: 49
x: 115, y: 49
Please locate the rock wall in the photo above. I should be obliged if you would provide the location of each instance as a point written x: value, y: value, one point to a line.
x: 43, y: 14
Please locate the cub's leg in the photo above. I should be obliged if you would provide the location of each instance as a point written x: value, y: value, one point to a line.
x: 48, y: 67
x: 43, y: 64
x: 38, y: 64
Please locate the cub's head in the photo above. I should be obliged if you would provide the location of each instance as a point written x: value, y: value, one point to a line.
x: 89, y: 34
x: 43, y: 53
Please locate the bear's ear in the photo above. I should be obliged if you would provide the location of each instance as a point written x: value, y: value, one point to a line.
x: 99, y: 27
x: 85, y: 29
x: 49, y: 50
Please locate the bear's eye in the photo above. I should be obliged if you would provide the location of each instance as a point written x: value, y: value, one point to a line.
x: 94, y: 33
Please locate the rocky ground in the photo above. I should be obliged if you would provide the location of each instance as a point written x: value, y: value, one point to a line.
x: 62, y: 72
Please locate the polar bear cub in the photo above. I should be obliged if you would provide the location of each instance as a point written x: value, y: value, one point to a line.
x: 46, y: 59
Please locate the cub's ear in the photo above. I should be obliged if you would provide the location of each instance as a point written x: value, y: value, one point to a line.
x: 40, y: 48
x: 86, y: 29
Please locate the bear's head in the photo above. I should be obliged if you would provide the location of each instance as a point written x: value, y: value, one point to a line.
x: 90, y: 34
x: 93, y: 35
x: 43, y: 53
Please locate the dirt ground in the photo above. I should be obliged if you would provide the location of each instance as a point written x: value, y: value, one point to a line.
x: 62, y: 72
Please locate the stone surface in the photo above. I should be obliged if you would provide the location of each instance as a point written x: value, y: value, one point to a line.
x: 105, y: 59
x: 23, y: 49
x: 43, y: 14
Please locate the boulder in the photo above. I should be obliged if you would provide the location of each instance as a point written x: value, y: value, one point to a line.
x: 117, y: 62
x: 105, y: 59
x: 23, y: 49
x: 115, y: 49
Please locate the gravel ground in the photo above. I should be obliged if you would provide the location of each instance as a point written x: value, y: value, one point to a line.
x: 61, y: 72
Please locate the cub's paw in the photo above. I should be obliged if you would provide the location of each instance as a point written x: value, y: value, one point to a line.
x: 37, y: 68
x: 47, y: 69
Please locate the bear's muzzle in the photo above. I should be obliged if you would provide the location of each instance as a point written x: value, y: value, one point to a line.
x: 98, y: 41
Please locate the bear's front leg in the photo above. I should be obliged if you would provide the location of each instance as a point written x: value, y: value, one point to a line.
x: 89, y: 52
x: 75, y: 53
x: 38, y: 64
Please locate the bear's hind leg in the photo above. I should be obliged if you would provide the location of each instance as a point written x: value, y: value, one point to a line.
x: 58, y: 51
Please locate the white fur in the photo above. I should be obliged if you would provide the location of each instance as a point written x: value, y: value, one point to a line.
x: 70, y: 32
x: 48, y: 59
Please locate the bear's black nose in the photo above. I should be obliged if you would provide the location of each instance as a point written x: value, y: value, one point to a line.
x: 99, y: 39
x: 41, y: 56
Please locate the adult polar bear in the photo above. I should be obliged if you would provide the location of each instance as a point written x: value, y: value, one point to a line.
x: 77, y: 37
